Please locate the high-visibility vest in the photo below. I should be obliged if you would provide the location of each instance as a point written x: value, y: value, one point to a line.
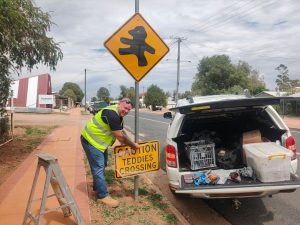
x: 97, y: 132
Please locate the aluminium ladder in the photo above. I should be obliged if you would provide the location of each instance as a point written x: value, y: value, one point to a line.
x: 54, y: 176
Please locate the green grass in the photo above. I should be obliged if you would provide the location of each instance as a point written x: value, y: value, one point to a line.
x: 143, y: 191
x: 170, y: 218
x: 156, y: 201
x: 110, y: 176
x: 34, y: 135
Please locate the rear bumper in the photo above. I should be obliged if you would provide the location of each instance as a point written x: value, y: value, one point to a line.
x: 234, y: 190
x: 239, y: 192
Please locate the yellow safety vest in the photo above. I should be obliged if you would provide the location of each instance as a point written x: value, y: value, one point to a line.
x: 98, y: 133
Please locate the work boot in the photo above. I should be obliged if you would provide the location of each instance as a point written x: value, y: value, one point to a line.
x: 109, y: 201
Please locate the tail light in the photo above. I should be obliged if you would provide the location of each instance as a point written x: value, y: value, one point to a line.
x: 291, y: 145
x: 171, y: 156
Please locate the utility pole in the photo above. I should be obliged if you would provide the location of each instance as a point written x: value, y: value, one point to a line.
x: 109, y: 89
x: 179, y: 40
x: 136, y: 120
x: 85, y: 90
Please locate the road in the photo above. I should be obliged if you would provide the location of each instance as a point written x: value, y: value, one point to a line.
x: 280, y: 209
x: 151, y: 127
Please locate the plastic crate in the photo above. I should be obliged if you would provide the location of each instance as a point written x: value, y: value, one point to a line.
x: 201, y: 154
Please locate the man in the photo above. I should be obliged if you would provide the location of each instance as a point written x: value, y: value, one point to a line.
x: 100, y: 133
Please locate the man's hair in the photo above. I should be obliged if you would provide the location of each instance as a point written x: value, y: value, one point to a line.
x: 127, y: 101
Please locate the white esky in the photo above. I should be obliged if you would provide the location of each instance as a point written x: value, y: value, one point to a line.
x: 261, y: 33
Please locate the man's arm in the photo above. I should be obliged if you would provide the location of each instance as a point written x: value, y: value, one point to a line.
x: 124, y: 139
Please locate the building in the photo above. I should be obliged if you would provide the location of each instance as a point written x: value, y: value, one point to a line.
x: 271, y: 94
x: 142, y: 99
x: 32, y: 93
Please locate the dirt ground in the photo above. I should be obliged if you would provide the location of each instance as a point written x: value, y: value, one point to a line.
x: 13, y: 153
x: 150, y: 208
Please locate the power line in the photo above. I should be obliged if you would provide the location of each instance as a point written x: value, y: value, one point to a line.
x: 219, y: 17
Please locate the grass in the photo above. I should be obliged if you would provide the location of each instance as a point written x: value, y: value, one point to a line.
x: 170, y: 218
x: 149, y: 205
x: 156, y: 200
x: 34, y: 135
x: 110, y: 176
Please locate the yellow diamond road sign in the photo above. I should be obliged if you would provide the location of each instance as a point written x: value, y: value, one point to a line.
x: 137, y: 46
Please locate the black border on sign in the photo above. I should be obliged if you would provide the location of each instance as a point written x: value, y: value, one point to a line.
x: 121, y: 62
x: 145, y: 142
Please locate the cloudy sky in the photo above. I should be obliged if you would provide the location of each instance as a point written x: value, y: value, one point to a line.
x: 262, y: 33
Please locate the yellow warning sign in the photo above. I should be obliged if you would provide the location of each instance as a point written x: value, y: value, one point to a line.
x: 130, y: 162
x: 137, y: 46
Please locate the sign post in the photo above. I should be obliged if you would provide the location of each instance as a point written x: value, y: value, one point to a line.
x: 138, y: 49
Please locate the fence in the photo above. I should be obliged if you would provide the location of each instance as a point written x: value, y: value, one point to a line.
x: 289, y: 107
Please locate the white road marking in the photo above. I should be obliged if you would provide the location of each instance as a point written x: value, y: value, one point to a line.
x: 150, y: 120
x: 129, y: 128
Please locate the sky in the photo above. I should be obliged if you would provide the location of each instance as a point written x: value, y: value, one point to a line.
x: 261, y: 33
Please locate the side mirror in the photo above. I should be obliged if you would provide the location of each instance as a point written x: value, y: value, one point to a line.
x: 168, y: 115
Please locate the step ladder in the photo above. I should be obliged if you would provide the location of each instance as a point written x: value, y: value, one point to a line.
x: 54, y: 176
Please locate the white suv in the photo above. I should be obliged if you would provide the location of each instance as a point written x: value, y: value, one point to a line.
x: 206, y: 142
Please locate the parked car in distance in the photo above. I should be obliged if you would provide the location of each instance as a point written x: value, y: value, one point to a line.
x: 97, y: 106
x: 229, y: 146
x: 158, y: 107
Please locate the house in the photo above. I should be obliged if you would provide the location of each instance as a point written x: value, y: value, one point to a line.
x: 271, y: 94
x: 141, y: 99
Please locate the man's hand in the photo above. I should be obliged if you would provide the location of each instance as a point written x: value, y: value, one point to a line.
x: 136, y: 146
x: 124, y: 139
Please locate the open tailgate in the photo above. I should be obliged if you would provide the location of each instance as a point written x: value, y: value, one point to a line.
x: 230, y: 103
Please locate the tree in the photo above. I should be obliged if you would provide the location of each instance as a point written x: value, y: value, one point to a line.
x: 256, y: 83
x: 217, y: 75
x: 70, y: 93
x: 93, y: 99
x: 131, y: 95
x: 283, y: 80
x: 213, y: 75
x: 168, y: 94
x: 124, y: 90
x: 128, y: 93
x: 24, y: 41
x: 103, y: 94
x: 185, y: 94
x: 75, y: 88
x: 155, y: 97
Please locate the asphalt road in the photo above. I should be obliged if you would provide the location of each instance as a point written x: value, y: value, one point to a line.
x: 281, y: 209
x: 151, y: 127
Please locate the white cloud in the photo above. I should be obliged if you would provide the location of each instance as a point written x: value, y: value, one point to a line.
x: 262, y: 33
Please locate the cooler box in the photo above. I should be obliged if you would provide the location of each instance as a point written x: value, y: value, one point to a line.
x: 271, y: 162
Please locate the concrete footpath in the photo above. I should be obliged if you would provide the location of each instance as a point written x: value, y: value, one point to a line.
x: 292, y: 122
x: 64, y: 143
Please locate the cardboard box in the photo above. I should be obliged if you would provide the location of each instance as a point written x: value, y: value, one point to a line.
x: 253, y: 136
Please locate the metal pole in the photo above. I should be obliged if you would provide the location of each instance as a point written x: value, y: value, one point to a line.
x: 136, y: 121
x: 178, y: 69
x: 85, y: 90
x: 137, y: 6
